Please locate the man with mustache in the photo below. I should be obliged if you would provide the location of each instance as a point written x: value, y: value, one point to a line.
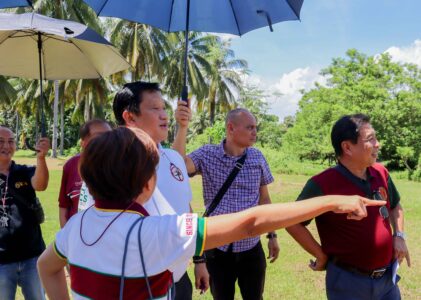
x: 358, y: 258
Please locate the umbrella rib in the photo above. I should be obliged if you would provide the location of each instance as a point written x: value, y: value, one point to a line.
x: 170, y: 18
x: 235, y: 17
x: 102, y: 7
x: 292, y: 8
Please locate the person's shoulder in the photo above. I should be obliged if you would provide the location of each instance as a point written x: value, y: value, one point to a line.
x: 327, y: 173
x: 71, y: 162
x: 252, y: 151
x: 379, y: 167
x: 171, y: 152
x: 20, y: 168
x: 207, y: 149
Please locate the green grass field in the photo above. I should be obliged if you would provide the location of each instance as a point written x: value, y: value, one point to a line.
x: 289, y: 277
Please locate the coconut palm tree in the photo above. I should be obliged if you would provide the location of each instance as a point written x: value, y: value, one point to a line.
x: 142, y: 45
x: 224, y: 78
x: 197, y: 63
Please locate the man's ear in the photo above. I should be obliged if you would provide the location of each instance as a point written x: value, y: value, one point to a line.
x: 346, y: 148
x: 127, y: 117
x: 229, y: 128
x: 82, y: 143
x: 149, y: 187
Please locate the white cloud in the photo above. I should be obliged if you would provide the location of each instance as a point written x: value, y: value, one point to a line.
x: 285, y: 92
x: 411, y: 54
x: 289, y: 88
x: 226, y: 36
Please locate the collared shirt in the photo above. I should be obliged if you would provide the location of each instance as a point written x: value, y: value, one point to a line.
x: 172, y: 194
x: 20, y: 237
x: 366, y: 244
x: 71, y: 184
x: 214, y: 165
x: 166, y: 242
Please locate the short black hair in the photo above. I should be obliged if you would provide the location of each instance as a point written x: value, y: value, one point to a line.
x: 130, y: 97
x: 347, y: 129
x: 85, y: 129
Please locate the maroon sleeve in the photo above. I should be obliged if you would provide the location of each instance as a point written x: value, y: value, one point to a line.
x: 63, y: 200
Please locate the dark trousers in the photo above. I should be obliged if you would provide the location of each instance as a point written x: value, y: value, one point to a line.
x: 344, y: 285
x: 183, y: 288
x: 248, y: 267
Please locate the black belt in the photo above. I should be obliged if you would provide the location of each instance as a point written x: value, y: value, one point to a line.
x: 375, y: 274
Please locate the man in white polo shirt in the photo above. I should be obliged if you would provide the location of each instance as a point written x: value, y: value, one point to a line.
x: 140, y: 104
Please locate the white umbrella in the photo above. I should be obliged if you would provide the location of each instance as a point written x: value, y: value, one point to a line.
x: 38, y: 47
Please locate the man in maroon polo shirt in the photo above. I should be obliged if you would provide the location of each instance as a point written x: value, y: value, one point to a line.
x: 357, y: 256
x: 71, y: 182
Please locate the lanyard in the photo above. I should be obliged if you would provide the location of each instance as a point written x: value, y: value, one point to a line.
x: 3, y: 198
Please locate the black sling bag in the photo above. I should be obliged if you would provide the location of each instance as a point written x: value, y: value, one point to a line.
x: 224, y: 188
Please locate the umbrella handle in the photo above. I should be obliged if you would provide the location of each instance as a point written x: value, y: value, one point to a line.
x: 185, y: 93
x: 29, y: 146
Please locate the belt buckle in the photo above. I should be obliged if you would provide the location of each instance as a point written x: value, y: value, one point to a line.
x: 378, y: 273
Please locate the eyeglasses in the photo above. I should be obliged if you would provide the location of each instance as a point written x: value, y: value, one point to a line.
x: 384, y: 212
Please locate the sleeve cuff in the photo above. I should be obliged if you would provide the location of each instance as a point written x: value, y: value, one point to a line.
x: 201, y: 236
x: 58, y: 253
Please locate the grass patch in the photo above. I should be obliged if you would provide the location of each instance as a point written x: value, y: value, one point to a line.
x: 289, y: 277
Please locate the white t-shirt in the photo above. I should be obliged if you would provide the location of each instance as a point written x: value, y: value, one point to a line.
x: 166, y: 241
x: 172, y: 194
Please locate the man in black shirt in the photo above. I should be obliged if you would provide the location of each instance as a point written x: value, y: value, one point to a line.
x: 21, y: 240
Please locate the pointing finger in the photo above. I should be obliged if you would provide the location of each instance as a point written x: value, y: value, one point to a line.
x: 368, y: 202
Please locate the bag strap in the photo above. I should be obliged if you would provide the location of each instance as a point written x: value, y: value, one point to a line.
x: 238, y: 166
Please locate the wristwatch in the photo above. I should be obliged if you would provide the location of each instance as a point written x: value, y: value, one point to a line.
x: 271, y: 235
x: 400, y: 234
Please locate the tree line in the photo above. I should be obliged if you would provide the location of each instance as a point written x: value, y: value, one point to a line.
x: 387, y: 91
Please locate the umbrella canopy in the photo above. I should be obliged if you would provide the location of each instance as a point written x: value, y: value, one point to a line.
x: 36, y: 46
x: 69, y: 50
x: 14, y: 3
x: 221, y: 16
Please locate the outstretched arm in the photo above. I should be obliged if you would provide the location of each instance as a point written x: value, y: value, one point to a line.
x: 225, y: 229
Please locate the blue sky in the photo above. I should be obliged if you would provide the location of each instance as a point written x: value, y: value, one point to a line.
x: 290, y: 58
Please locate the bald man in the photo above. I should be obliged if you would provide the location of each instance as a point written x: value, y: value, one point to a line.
x: 244, y: 260
x: 21, y: 239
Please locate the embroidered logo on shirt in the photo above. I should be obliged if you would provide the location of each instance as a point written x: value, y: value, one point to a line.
x: 176, y: 172
x: 20, y: 184
x: 383, y: 193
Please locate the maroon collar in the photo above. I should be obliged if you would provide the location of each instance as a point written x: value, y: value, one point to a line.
x: 134, y: 206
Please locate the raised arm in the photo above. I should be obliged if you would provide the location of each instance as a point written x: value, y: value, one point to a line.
x: 40, y: 179
x: 182, y: 117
